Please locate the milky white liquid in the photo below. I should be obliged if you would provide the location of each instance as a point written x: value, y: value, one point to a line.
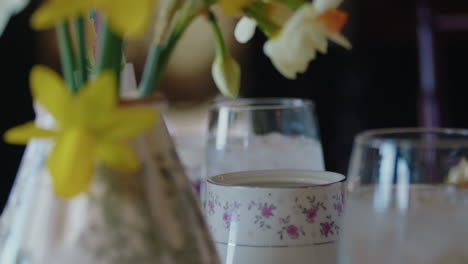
x: 422, y: 225
x: 271, y: 151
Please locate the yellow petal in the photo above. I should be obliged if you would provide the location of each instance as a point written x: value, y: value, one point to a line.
x: 48, y: 88
x: 94, y: 102
x: 98, y: 96
x: 23, y: 133
x: 127, y: 122
x: 54, y: 11
x: 278, y: 13
x: 130, y: 18
x: 72, y: 162
x: 233, y: 7
x: 119, y: 157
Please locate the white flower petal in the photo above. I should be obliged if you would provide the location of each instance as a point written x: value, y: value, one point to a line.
x: 293, y: 49
x: 300, y: 38
x: 245, y: 29
x: 316, y: 36
x: 323, y: 5
x: 340, y: 40
x: 288, y: 63
x: 9, y: 8
x: 226, y: 75
x: 459, y: 172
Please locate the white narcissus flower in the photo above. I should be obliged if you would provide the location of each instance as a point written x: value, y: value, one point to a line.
x: 9, y: 8
x: 459, y: 173
x: 305, y: 33
x: 323, y: 5
x: 275, y: 13
x: 245, y: 29
x: 226, y: 75
x: 225, y: 69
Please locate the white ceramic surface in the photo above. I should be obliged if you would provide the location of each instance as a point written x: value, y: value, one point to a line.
x: 296, y: 221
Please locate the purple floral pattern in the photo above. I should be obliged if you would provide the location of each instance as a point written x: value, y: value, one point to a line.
x: 212, y: 203
x: 311, y: 209
x: 211, y: 207
x: 329, y: 227
x: 338, y: 203
x: 292, y: 219
x: 292, y: 231
x: 265, y: 213
x: 339, y: 208
x: 231, y: 213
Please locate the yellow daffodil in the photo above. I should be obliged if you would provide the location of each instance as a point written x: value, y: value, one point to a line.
x: 226, y: 75
x: 305, y: 33
x: 233, y: 7
x: 90, y: 128
x: 125, y: 17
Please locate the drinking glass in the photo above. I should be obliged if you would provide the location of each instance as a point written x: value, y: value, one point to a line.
x: 400, y: 206
x: 262, y: 133
x: 265, y: 133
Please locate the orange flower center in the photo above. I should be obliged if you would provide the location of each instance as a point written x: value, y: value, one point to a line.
x: 334, y: 19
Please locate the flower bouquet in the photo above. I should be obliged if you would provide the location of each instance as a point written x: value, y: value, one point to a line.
x: 100, y: 181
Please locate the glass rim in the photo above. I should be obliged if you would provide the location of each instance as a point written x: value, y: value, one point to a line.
x: 304, y: 177
x: 263, y: 103
x: 374, y: 138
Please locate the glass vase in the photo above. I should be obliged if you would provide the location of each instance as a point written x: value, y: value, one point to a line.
x: 148, y: 217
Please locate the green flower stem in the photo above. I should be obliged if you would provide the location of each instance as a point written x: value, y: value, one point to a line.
x: 153, y: 70
x: 218, y: 35
x: 110, y: 53
x: 293, y: 4
x: 66, y: 55
x: 81, y: 62
x: 158, y: 58
x: 156, y: 63
x: 268, y: 28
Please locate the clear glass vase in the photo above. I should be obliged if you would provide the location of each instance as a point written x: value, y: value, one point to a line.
x: 148, y: 217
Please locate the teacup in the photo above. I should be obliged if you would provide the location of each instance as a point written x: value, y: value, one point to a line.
x: 275, y: 216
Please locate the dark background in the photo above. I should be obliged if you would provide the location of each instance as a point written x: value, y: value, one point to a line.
x: 375, y: 85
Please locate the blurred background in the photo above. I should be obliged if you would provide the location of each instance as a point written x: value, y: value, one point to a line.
x: 408, y: 67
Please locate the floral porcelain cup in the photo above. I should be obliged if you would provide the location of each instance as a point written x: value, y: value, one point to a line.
x: 275, y: 216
